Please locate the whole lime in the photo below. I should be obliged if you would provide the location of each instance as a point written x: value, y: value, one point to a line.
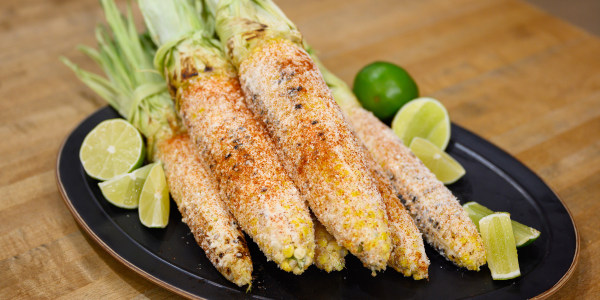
x: 383, y: 88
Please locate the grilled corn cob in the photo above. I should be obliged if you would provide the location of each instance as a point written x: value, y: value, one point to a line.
x: 438, y: 214
x: 408, y: 252
x: 329, y: 255
x: 141, y: 97
x: 285, y: 89
x: 194, y: 191
x: 235, y: 145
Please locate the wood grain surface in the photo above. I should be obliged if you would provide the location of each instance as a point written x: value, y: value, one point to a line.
x: 516, y: 76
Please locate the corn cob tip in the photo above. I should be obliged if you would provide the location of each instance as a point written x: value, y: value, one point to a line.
x: 329, y: 254
x: 294, y: 259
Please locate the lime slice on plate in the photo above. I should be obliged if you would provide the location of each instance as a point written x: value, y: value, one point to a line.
x: 423, y: 117
x: 476, y: 211
x: 112, y: 148
x: 524, y: 235
x: 500, y: 248
x: 445, y: 168
x: 154, y: 199
x: 124, y: 190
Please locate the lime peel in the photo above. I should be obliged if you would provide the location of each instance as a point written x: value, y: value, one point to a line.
x: 383, y: 88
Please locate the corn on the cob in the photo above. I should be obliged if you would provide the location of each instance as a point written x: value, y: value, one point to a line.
x: 329, y: 255
x: 408, y: 252
x: 141, y: 97
x: 234, y: 145
x: 438, y: 214
x: 213, y: 227
x: 285, y: 89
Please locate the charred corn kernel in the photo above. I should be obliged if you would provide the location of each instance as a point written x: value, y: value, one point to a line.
x: 437, y: 213
x: 329, y: 255
x: 202, y: 209
x: 286, y: 91
x: 234, y: 145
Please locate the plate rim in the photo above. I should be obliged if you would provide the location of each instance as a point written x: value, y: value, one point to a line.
x: 565, y: 278
x: 82, y: 224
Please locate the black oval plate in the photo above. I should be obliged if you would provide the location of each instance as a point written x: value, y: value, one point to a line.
x: 171, y: 258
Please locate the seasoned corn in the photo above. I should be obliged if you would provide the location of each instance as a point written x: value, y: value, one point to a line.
x: 141, y: 97
x: 254, y: 185
x: 233, y: 144
x: 198, y: 200
x: 437, y: 213
x: 408, y: 252
x: 285, y: 90
x: 329, y: 255
x: 317, y: 147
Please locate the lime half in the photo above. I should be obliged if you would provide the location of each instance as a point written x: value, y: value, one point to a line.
x: 154, y: 199
x: 112, y: 148
x: 445, y: 168
x: 124, y: 190
x: 524, y: 235
x: 500, y: 248
x: 423, y: 117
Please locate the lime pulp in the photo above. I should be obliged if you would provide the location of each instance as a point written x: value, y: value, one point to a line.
x: 124, y: 190
x: 112, y: 148
x: 445, y: 168
x: 425, y: 118
x: 500, y: 248
x: 154, y: 199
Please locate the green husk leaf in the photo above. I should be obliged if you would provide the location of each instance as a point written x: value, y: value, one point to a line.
x: 184, y: 31
x: 236, y: 20
x: 132, y: 86
x: 171, y: 20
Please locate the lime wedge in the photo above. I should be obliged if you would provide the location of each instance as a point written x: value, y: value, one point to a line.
x: 445, y: 168
x: 476, y: 211
x: 112, y: 148
x: 124, y: 190
x: 524, y: 235
x: 500, y: 248
x: 154, y: 199
x: 423, y: 117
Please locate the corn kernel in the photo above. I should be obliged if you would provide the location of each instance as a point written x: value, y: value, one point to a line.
x: 292, y: 263
x: 299, y: 253
x: 286, y: 266
x: 288, y: 251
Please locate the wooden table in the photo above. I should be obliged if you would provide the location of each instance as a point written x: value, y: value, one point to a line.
x: 518, y: 77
